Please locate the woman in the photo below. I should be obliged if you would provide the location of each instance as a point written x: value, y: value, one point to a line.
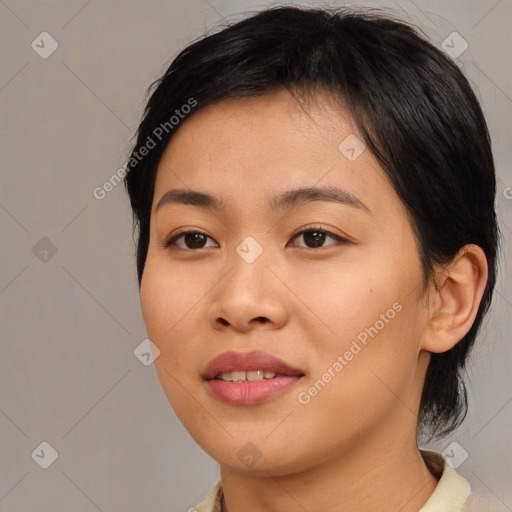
x: 314, y: 197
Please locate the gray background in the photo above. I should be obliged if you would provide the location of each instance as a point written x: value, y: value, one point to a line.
x: 70, y: 321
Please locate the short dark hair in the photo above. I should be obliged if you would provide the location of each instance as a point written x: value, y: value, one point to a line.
x: 413, y: 107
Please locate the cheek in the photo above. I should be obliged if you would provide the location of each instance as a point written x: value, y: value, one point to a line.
x: 374, y: 326
x: 155, y: 304
x: 167, y: 298
x: 357, y: 385
x: 167, y: 304
x: 167, y: 310
x: 358, y: 299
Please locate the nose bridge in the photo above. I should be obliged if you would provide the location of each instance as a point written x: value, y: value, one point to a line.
x: 250, y: 290
x: 249, y: 272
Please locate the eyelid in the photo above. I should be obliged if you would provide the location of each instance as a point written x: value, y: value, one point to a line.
x: 323, y: 229
x: 169, y: 241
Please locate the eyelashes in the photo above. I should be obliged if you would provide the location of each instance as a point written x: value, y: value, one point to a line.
x: 314, y: 235
x: 172, y: 241
x: 319, y: 234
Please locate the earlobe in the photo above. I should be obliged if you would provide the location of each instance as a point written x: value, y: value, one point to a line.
x: 459, y: 288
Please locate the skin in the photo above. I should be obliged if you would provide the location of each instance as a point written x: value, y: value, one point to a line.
x: 353, y: 446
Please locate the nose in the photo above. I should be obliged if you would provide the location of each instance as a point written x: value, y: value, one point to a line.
x: 250, y: 297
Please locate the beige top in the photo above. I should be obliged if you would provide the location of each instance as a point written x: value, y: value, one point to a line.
x: 450, y: 495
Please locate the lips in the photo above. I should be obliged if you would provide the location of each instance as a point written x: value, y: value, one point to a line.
x: 249, y: 361
x: 246, y: 392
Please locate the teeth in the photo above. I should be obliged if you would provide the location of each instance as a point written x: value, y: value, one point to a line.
x: 255, y: 375
x: 240, y: 375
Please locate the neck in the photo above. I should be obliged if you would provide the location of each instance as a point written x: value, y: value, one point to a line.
x: 386, y: 475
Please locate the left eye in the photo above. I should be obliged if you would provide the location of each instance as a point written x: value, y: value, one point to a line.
x: 316, y: 237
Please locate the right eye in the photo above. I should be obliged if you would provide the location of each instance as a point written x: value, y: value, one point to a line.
x: 191, y: 239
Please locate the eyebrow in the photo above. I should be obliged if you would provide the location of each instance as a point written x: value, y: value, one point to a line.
x: 288, y: 199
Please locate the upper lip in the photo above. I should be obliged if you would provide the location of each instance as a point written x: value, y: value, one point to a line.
x: 247, y: 361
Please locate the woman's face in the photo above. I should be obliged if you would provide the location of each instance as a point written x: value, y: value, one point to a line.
x: 340, y: 305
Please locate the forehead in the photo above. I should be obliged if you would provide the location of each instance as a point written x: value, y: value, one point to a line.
x: 247, y: 149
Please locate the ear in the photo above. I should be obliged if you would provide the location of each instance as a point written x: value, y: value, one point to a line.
x: 455, y: 298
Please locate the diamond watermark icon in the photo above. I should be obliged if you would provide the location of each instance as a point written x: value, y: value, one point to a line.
x: 146, y: 352
x: 249, y: 249
x: 249, y: 455
x: 454, y: 454
x: 44, y: 250
x: 44, y: 45
x: 352, y: 147
x: 45, y: 455
x: 454, y: 45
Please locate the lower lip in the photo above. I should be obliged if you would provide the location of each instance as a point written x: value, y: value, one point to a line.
x: 250, y: 392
